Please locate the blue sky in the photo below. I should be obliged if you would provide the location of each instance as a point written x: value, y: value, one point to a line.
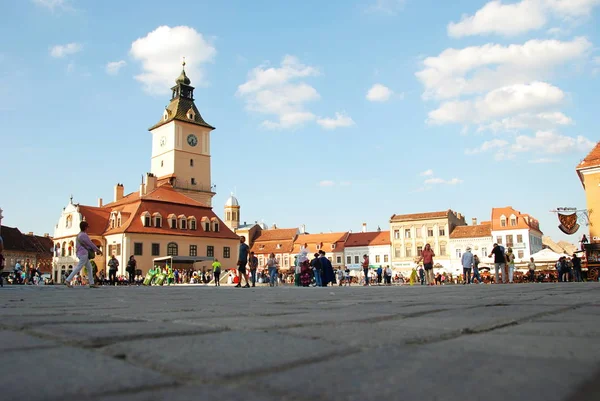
x: 328, y: 114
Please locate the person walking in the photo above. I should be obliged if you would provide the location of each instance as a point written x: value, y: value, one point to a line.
x: 467, y: 264
x: 499, y: 263
x: 217, y: 272
x: 131, y: 266
x: 272, y: 265
x: 113, y: 266
x: 242, y: 262
x: 347, y: 276
x: 421, y: 275
x: 365, y: 267
x: 85, y: 249
x: 388, y: 275
x: 531, y: 269
x: 427, y: 256
x: 315, y: 264
x: 476, y: 274
x: 576, y: 260
x: 379, y: 275
x: 510, y: 260
x: 328, y: 276
x: 253, y: 264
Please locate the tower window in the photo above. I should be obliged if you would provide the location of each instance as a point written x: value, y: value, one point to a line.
x: 162, y: 163
x: 193, y: 181
x: 191, y: 162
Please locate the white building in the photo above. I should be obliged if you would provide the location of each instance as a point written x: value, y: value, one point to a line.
x: 513, y: 229
x: 376, y: 245
x: 478, y: 237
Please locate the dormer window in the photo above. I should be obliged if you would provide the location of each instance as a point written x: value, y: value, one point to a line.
x: 172, y: 221
x: 278, y: 246
x: 191, y: 115
x: 215, y: 224
x: 261, y: 247
x: 192, y: 223
x: 206, y: 224
x: 146, y: 220
x: 318, y: 247
x: 503, y: 221
x: 165, y: 115
x: 513, y: 220
x: 332, y: 246
x: 182, y: 222
x: 157, y: 220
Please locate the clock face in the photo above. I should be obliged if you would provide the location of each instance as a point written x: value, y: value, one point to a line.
x: 163, y: 141
x: 192, y: 140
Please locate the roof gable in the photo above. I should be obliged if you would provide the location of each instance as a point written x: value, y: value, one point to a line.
x: 592, y: 159
x: 478, y: 231
x: 368, y: 239
x: 420, y: 216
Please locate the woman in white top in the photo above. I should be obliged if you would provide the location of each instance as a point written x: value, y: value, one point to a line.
x: 272, y: 264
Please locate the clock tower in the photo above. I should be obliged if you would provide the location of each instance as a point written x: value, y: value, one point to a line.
x: 181, y: 144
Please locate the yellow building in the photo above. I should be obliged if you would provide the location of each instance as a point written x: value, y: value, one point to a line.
x: 589, y: 174
x: 171, y: 214
x: 410, y: 232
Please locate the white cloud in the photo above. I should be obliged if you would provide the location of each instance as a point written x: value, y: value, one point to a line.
x: 539, y: 121
x: 504, y: 19
x: 388, y: 7
x: 114, y: 67
x: 276, y: 91
x: 487, y: 145
x: 161, y: 52
x: 54, y: 5
x: 542, y: 160
x: 477, y: 69
x: 379, y: 93
x: 70, y: 67
x: 60, y: 51
x: 326, y: 183
x: 549, y: 142
x: 557, y: 31
x: 426, y: 173
x: 436, y: 181
x: 340, y: 120
x: 517, y: 98
x: 512, y: 19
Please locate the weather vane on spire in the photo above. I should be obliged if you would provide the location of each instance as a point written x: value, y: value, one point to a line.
x: 183, y: 63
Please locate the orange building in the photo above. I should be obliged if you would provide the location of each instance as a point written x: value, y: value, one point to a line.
x: 589, y: 175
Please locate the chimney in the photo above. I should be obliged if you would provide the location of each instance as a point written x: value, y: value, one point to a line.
x: 46, y: 235
x: 100, y: 204
x: 364, y: 227
x: 474, y: 221
x: 303, y: 229
x: 142, y: 188
x: 119, y: 190
x: 150, y: 183
x: 30, y: 234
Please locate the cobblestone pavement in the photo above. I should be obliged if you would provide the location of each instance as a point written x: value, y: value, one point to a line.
x: 526, y: 341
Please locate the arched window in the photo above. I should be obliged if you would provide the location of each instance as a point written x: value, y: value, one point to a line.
x: 69, y: 222
x: 71, y: 246
x: 228, y: 216
x: 63, y: 249
x: 182, y: 222
x: 172, y: 249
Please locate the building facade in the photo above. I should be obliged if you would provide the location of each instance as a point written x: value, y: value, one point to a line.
x: 409, y: 233
x: 170, y: 215
x: 376, y: 245
x: 332, y: 244
x: 516, y: 230
x: 478, y: 237
x: 589, y: 175
x: 279, y: 241
x: 27, y: 248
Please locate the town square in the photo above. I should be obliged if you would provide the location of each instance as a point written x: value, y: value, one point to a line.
x: 228, y: 201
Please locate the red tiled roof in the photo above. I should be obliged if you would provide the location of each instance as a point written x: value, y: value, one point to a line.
x: 524, y: 221
x: 323, y: 240
x: 478, y: 231
x: 420, y: 216
x: 592, y: 159
x: 96, y: 217
x: 14, y: 240
x: 267, y: 247
x: 162, y: 193
x: 277, y: 234
x: 369, y: 238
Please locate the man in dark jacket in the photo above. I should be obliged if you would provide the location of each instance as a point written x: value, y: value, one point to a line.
x: 326, y: 268
x: 315, y: 264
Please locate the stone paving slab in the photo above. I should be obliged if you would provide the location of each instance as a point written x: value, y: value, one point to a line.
x: 375, y: 343
x: 16, y: 341
x: 62, y: 373
x: 227, y: 354
x: 94, y: 335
